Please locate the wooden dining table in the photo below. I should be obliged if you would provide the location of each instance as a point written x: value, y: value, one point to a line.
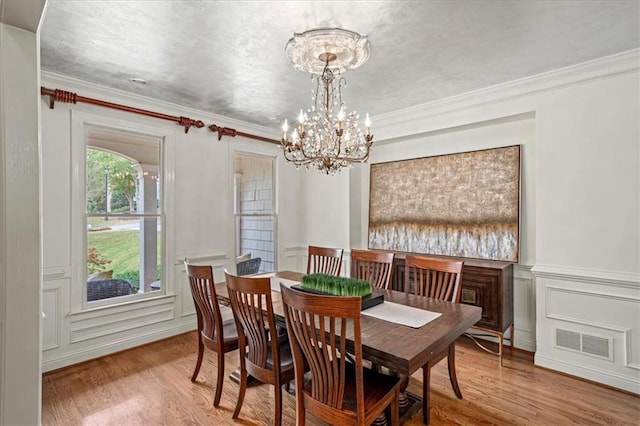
x: 400, y: 348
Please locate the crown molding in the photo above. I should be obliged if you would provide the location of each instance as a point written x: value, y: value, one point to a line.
x: 87, y: 89
x: 414, y: 120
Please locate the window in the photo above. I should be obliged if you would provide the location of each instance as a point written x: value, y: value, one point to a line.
x: 123, y: 215
x: 254, y: 210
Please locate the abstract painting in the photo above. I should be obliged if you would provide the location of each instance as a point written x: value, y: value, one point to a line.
x: 464, y: 205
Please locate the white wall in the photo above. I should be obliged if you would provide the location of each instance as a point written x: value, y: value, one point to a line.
x: 327, y: 213
x: 588, y: 208
x: 581, y: 201
x: 20, y: 262
x: 202, y: 211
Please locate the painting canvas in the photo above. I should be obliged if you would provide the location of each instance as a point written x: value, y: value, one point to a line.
x: 463, y: 205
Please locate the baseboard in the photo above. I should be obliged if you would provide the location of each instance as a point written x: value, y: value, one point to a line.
x: 111, y: 347
x: 608, y: 378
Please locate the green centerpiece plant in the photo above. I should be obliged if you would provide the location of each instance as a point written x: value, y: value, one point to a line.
x: 339, y: 286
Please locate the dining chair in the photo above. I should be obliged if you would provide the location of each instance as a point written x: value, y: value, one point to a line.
x: 249, y: 266
x: 219, y: 336
x: 338, y: 392
x: 267, y: 358
x: 324, y: 260
x: 437, y: 278
x: 373, y: 266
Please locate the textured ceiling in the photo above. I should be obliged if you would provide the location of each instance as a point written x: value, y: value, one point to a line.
x: 228, y: 57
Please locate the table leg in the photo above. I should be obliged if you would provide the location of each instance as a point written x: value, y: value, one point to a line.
x: 426, y: 377
x: 403, y: 401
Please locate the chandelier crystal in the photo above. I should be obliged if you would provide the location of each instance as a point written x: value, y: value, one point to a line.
x: 327, y: 137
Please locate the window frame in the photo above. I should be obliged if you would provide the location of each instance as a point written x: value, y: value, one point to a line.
x: 238, y: 216
x: 81, y: 122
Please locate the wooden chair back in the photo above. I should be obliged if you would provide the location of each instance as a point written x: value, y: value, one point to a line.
x: 439, y: 278
x: 264, y: 356
x: 250, y: 299
x: 317, y: 327
x: 373, y: 266
x: 204, y: 296
x: 434, y: 277
x: 324, y: 260
x: 217, y: 335
x: 339, y: 392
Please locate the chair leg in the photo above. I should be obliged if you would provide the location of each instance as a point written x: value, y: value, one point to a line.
x: 300, y: 414
x: 199, y: 361
x: 278, y: 409
x: 220, y: 379
x: 243, y: 388
x: 426, y: 377
x: 451, y: 362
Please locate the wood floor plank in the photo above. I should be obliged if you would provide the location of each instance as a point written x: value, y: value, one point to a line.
x: 150, y: 385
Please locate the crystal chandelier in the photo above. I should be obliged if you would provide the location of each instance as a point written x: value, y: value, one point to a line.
x: 327, y: 137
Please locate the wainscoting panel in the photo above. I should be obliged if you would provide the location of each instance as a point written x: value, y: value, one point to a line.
x: 69, y: 338
x: 51, y: 315
x: 293, y: 258
x: 524, y: 311
x: 587, y: 326
x: 107, y: 325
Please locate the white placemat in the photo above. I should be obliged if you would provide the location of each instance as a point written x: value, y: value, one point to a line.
x: 277, y: 281
x: 401, y: 314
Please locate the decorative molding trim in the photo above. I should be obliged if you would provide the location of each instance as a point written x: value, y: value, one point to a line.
x: 595, y: 276
x: 113, y: 346
x: 295, y: 249
x: 122, y: 324
x: 49, y: 274
x: 55, y: 318
x: 552, y: 288
x: 527, y: 286
x: 624, y: 331
x: 607, y: 66
x: 627, y: 353
x: 522, y: 271
x: 202, y: 257
x: 115, y: 310
x: 627, y: 383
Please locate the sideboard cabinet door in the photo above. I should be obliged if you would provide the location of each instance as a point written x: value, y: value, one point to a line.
x: 485, y: 283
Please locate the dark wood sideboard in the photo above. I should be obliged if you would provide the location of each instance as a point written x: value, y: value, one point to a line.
x: 485, y: 283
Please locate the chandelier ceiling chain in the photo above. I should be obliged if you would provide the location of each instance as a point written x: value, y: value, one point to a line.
x: 323, y: 139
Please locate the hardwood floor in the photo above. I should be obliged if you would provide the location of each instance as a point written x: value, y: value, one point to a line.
x: 150, y: 385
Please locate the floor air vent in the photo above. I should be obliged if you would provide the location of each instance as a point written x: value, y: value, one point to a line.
x: 584, y: 343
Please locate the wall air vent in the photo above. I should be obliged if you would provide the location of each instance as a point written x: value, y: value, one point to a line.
x: 601, y: 347
x: 595, y: 345
x: 567, y: 339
